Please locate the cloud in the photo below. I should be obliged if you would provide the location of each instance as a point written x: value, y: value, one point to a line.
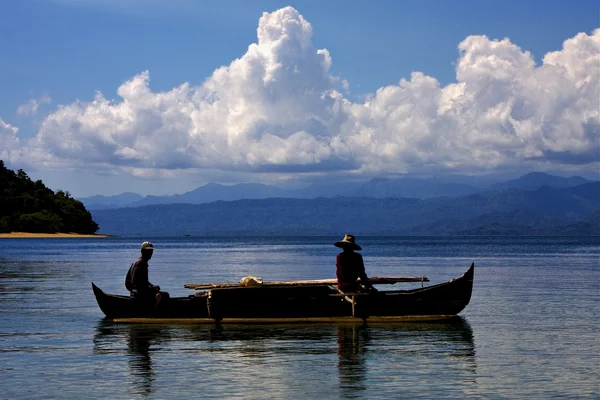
x: 503, y: 111
x: 32, y: 106
x: 8, y: 140
x: 278, y: 108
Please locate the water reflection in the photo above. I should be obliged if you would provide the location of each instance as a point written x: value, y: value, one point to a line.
x: 392, y: 355
x: 352, y: 342
x: 139, y: 342
x: 403, y: 352
x: 140, y: 339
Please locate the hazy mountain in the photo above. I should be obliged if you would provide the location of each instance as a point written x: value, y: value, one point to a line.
x: 381, y: 187
x: 527, y: 219
x: 538, y: 179
x: 413, y: 187
x: 215, y: 192
x: 101, y: 202
x: 326, y: 189
x: 589, y: 226
x: 203, y: 194
x: 538, y: 210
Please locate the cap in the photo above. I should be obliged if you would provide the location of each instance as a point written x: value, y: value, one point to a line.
x: 147, y: 246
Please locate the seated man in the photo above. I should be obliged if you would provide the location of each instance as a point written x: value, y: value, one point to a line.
x: 137, y: 281
x: 350, y: 267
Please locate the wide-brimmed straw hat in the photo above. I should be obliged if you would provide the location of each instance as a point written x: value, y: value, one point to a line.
x: 347, y: 241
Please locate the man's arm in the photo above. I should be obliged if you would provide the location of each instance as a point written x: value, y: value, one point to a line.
x: 338, y: 269
x: 362, y: 275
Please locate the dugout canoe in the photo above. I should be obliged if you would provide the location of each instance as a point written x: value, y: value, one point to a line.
x: 295, y: 304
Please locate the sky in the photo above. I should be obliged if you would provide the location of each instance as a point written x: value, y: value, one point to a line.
x: 160, y: 97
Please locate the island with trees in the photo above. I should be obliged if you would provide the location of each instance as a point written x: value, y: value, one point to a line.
x: 28, y: 206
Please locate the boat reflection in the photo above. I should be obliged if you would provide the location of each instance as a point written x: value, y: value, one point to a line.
x: 139, y: 346
x: 362, y: 353
x: 397, y: 349
x: 140, y: 339
x: 352, y: 343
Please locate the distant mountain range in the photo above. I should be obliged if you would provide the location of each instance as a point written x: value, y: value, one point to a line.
x: 384, y: 187
x: 537, y: 179
x: 119, y: 200
x: 511, y: 210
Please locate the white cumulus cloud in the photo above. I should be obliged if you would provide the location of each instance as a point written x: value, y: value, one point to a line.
x: 8, y: 140
x: 33, y: 105
x: 278, y: 108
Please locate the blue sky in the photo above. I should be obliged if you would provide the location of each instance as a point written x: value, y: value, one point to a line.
x: 287, y: 111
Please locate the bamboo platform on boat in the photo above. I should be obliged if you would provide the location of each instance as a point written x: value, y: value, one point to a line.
x: 376, y: 280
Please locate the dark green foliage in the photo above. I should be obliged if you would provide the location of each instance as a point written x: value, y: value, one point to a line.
x: 27, y: 206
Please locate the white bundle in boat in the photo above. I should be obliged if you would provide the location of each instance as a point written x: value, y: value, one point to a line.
x: 251, y: 281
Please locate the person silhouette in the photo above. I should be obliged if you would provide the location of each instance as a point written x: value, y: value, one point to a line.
x: 350, y: 267
x: 136, y: 280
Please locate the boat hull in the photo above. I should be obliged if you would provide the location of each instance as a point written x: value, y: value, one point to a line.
x: 320, y: 304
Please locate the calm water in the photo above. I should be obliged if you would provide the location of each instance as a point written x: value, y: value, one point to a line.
x: 532, y: 329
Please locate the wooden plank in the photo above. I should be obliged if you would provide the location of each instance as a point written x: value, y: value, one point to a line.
x: 375, y: 280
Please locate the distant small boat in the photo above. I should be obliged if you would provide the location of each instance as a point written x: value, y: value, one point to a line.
x: 186, y: 234
x: 296, y: 302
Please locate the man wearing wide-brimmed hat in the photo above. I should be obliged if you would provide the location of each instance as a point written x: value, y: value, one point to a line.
x: 137, y: 281
x: 350, y: 267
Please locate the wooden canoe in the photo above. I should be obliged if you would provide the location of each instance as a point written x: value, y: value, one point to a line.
x: 295, y: 304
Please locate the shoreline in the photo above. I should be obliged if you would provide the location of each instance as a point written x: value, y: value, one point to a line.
x: 27, y: 235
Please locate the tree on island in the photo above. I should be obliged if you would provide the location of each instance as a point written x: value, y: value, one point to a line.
x: 27, y: 206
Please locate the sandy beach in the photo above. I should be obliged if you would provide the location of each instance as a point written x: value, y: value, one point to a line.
x: 27, y: 235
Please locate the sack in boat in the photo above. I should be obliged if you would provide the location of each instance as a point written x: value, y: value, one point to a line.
x: 251, y: 281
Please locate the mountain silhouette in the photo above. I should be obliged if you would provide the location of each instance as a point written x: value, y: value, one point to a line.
x: 542, y: 210
x: 380, y: 187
